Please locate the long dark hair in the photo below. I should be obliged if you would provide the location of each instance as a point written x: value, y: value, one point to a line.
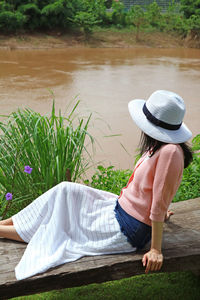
x: 148, y: 143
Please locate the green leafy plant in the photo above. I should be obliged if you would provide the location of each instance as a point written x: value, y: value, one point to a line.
x: 85, y: 21
x: 118, y: 14
x: 108, y: 179
x: 153, y: 14
x: 88, y: 14
x: 190, y: 185
x: 194, y: 26
x: 32, y: 13
x: 4, y: 6
x: 11, y: 21
x: 55, y: 13
x: 53, y: 147
x: 138, y: 17
x: 190, y: 8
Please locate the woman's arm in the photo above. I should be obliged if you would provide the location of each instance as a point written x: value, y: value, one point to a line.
x: 153, y: 259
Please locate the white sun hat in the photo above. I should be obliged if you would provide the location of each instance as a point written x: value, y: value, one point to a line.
x: 161, y: 117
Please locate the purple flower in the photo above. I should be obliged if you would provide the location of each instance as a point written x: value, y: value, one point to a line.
x: 9, y: 196
x: 28, y: 169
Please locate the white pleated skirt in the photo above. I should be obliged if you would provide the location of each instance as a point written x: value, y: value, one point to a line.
x: 66, y: 223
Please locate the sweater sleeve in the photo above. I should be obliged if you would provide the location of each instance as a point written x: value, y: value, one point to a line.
x: 167, y: 178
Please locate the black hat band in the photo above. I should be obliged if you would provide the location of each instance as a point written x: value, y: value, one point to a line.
x: 158, y: 122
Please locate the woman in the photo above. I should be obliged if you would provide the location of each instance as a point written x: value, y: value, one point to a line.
x: 72, y: 220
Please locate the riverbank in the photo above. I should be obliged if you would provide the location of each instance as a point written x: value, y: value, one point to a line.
x: 99, y: 39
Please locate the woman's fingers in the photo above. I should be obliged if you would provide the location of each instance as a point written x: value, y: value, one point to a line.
x: 168, y: 215
x: 158, y: 266
x: 144, y: 260
x: 148, y: 267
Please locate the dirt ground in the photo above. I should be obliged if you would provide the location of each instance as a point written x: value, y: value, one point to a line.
x: 99, y: 39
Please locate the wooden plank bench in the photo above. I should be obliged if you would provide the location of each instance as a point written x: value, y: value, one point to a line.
x: 181, y: 249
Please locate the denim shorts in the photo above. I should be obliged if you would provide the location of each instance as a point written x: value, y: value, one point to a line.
x: 138, y: 234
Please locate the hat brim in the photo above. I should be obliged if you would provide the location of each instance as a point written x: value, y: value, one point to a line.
x: 180, y: 135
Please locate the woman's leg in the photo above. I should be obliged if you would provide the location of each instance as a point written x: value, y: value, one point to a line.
x: 6, y: 222
x: 9, y: 232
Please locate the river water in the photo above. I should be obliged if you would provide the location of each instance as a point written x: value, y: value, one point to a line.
x: 105, y: 80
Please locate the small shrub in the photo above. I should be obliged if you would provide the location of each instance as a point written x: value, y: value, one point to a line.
x: 109, y: 179
x: 55, y: 14
x: 190, y: 185
x: 194, y: 25
x: 86, y: 21
x: 153, y: 14
x: 32, y: 13
x: 118, y: 14
x: 190, y: 7
x: 4, y: 6
x: 11, y: 21
x: 138, y: 17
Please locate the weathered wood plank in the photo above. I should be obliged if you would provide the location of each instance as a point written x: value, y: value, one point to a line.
x: 181, y: 248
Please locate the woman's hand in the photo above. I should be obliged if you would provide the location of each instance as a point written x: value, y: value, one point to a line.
x: 168, y: 215
x: 153, y: 260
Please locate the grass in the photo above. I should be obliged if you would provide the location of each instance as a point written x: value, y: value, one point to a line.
x: 163, y: 286
x: 128, y: 29
x: 52, y: 145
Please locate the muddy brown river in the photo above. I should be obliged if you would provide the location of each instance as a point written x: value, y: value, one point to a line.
x: 105, y: 80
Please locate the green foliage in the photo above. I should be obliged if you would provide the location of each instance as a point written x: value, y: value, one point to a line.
x: 88, y: 14
x: 4, y: 6
x: 32, y: 14
x: 190, y: 185
x: 169, y: 21
x: 190, y: 7
x: 52, y: 146
x: 118, y: 14
x: 55, y: 14
x: 181, y: 18
x: 196, y: 143
x: 153, y: 14
x: 56, y: 8
x: 98, y: 8
x: 138, y: 17
x: 11, y: 21
x: 85, y: 20
x: 42, y: 3
x: 194, y: 25
x: 109, y: 179
x: 108, y: 3
x: 173, y: 22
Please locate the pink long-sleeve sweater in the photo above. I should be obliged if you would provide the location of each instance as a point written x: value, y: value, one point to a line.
x: 153, y: 184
